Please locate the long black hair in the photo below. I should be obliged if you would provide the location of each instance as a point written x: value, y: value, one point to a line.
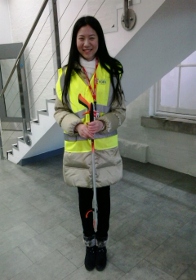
x: 110, y: 64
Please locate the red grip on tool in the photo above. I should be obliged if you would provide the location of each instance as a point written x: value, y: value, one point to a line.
x: 87, y: 213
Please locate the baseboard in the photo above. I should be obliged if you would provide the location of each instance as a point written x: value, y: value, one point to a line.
x: 133, y: 150
x: 40, y: 157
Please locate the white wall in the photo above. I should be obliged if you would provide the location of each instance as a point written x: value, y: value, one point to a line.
x: 23, y: 14
x: 144, y: 10
x: 5, y: 24
x: 172, y: 150
x: 167, y: 38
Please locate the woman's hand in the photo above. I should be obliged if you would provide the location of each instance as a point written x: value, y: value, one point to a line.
x: 95, y: 126
x: 83, y: 131
x: 88, y: 130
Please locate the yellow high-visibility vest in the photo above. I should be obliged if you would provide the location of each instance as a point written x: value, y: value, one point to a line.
x: 103, y: 97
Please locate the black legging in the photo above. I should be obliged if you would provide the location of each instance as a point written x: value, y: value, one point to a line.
x: 103, y: 203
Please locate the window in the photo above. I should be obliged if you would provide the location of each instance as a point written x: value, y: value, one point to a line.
x: 176, y: 91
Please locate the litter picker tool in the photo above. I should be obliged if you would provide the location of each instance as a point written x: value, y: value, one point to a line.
x: 91, y: 110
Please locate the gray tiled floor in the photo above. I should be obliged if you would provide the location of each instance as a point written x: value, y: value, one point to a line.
x: 152, y: 231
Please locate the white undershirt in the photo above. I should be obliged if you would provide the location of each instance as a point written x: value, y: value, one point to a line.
x: 88, y: 65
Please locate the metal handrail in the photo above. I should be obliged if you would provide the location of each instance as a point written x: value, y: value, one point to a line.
x: 24, y: 46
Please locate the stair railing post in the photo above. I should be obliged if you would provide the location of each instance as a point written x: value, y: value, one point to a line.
x: 56, y: 33
x: 23, y: 92
x: 1, y: 142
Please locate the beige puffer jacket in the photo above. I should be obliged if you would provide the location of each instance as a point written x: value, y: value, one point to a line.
x: 77, y: 167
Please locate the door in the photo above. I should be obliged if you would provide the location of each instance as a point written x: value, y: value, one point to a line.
x: 10, y: 102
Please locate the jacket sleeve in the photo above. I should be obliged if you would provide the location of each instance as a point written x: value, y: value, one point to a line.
x: 115, y: 117
x: 65, y: 118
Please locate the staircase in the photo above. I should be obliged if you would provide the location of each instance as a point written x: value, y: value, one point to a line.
x: 46, y: 138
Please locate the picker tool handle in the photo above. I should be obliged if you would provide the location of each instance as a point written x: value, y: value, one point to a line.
x: 91, y: 108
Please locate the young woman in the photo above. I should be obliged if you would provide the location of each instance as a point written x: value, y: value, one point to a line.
x: 92, y: 76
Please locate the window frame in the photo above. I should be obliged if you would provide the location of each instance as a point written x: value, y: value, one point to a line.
x: 166, y: 111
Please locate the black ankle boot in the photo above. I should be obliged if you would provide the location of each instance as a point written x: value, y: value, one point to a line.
x: 101, y: 254
x: 101, y: 258
x: 90, y: 258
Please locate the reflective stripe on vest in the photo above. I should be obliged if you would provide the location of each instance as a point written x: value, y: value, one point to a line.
x: 85, y: 145
x: 79, y: 138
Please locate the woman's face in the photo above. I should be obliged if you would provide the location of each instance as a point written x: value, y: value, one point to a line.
x: 87, y: 42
